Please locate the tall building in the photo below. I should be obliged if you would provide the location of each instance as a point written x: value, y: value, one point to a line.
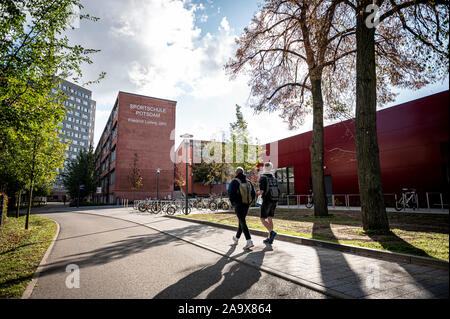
x: 77, y: 127
x: 138, y: 134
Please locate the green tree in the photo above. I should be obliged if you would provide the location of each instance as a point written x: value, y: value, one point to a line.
x: 35, y: 54
x: 239, y: 149
x: 81, y: 171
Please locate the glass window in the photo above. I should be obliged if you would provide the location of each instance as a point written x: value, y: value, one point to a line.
x: 285, y: 177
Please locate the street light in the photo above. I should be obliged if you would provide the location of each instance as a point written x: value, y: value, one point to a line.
x: 157, y: 183
x: 186, y: 144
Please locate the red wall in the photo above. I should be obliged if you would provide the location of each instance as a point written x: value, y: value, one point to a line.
x: 411, y: 139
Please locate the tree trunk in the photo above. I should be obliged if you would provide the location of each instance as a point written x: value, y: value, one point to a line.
x: 30, y: 201
x: 316, y: 149
x: 18, y: 204
x: 373, y: 209
x: 2, y: 208
x: 32, y: 176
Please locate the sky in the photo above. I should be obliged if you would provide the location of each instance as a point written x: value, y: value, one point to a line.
x: 176, y: 50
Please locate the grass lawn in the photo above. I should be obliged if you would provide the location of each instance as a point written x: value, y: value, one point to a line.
x: 416, y: 234
x: 21, y: 252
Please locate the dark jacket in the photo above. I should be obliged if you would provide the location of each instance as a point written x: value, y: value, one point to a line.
x: 233, y: 190
x: 263, y: 186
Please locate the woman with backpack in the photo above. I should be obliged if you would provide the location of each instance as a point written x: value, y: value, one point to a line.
x: 268, y: 189
x: 241, y: 193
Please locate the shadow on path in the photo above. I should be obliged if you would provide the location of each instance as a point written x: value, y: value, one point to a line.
x: 237, y: 280
x: 115, y: 250
x: 431, y: 282
x: 335, y: 271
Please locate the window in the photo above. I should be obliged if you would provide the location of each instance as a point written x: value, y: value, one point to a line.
x: 75, y: 142
x: 76, y: 135
x: 285, y: 177
x: 112, y: 178
x: 68, y: 126
x: 76, y: 128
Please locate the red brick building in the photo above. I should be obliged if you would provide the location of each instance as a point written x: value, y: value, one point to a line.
x: 139, y: 127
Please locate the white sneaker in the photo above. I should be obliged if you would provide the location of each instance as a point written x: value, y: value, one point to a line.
x: 249, y: 244
x: 235, y: 240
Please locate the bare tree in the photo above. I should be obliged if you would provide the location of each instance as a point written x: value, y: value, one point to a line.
x: 406, y: 47
x: 288, y: 50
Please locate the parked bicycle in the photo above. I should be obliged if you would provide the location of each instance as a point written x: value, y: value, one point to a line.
x: 218, y: 203
x: 407, y: 200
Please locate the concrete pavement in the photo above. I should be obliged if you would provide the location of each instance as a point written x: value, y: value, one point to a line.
x: 95, y: 256
x: 328, y: 271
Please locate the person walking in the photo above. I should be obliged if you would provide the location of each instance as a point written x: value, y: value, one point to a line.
x: 241, y: 193
x: 270, y: 192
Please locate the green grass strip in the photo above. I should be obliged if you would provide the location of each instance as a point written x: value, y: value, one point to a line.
x: 21, y: 252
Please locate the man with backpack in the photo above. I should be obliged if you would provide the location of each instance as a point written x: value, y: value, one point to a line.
x: 268, y: 189
x: 241, y: 193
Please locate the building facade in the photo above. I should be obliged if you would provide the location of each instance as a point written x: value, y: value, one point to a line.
x: 138, y: 139
x: 77, y: 128
x: 413, y: 143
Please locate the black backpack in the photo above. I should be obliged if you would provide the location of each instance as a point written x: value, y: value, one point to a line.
x: 273, y: 192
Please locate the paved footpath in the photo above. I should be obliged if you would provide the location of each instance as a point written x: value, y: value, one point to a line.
x: 325, y: 270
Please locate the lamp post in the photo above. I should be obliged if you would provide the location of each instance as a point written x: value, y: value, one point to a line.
x: 186, y: 144
x: 157, y: 183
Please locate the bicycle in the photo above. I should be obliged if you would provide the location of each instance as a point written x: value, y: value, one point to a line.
x: 222, y: 204
x: 407, y: 200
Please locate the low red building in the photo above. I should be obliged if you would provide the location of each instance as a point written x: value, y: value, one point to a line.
x: 413, y: 143
x: 140, y: 128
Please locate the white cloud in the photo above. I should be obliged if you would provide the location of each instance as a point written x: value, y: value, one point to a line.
x: 156, y: 48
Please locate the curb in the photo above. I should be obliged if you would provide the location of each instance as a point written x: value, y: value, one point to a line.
x: 29, y: 290
x: 367, y: 252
